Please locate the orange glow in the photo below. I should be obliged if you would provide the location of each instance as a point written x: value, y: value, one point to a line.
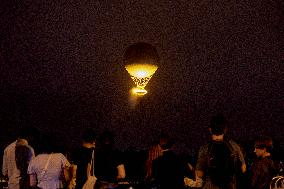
x: 138, y: 91
x: 141, y: 70
x: 141, y: 75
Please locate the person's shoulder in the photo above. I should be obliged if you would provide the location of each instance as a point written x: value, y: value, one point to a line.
x: 268, y: 160
x: 36, y: 159
x: 205, y: 147
x: 39, y: 156
x: 58, y: 154
x: 234, y: 144
x: 258, y: 162
x: 10, y: 146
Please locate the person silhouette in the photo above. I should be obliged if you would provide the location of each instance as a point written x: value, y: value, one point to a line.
x: 11, y: 167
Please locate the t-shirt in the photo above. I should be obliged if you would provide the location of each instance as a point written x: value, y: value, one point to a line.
x: 202, y: 164
x: 53, y: 177
x: 262, y: 172
x: 81, y: 156
x: 9, y: 165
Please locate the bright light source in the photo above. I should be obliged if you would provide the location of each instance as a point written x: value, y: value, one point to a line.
x: 141, y: 75
x: 141, y: 70
x: 139, y: 91
x: 141, y: 60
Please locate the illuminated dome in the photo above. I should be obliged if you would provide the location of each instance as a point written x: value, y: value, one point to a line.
x: 141, y: 62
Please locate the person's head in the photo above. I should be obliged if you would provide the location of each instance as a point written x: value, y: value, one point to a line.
x: 107, y: 139
x: 263, y: 146
x: 165, y: 141
x: 218, y: 125
x: 89, y: 137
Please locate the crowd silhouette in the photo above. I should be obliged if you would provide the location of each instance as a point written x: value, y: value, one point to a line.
x: 220, y: 164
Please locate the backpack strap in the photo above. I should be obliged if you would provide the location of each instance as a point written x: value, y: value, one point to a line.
x: 210, y: 147
x: 230, y: 146
x: 236, y: 161
x: 93, y: 163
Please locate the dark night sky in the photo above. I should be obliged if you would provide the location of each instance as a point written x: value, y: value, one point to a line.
x: 62, y: 69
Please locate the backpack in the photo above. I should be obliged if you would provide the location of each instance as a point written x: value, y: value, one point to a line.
x: 221, y: 163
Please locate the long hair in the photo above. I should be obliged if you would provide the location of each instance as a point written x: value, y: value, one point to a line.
x: 23, y: 155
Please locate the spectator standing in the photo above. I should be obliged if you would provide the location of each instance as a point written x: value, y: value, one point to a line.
x: 10, y: 168
x: 81, y: 158
x: 219, y: 161
x: 109, y: 165
x: 154, y: 152
x: 169, y: 169
x: 49, y: 169
x: 263, y: 168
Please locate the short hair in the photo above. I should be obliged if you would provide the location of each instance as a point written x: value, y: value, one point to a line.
x: 264, y: 142
x: 89, y: 135
x: 218, y: 125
